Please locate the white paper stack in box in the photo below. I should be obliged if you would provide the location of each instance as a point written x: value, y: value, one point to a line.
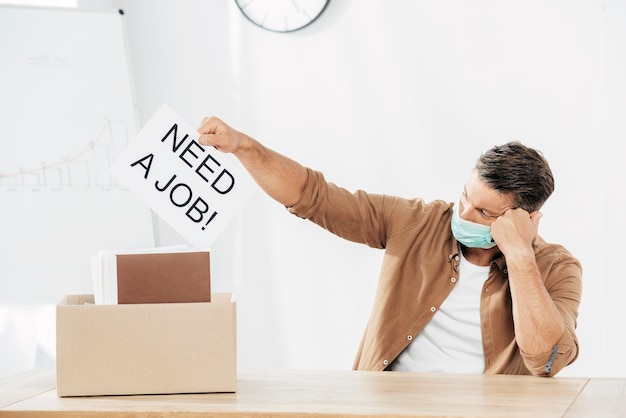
x: 155, y: 348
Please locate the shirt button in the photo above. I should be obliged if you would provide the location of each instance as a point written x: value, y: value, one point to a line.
x: 385, y: 362
x: 433, y: 309
x: 409, y: 337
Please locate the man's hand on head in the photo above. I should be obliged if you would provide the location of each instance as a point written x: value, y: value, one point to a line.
x: 515, y: 230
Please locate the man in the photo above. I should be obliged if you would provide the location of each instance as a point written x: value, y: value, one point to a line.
x: 467, y: 287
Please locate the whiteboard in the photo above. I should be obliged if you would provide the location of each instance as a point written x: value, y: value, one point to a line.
x: 66, y: 111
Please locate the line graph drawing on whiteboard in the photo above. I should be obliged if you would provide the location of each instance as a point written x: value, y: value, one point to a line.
x: 67, y: 103
x: 86, y: 167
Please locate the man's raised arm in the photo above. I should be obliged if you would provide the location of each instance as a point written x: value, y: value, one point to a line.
x: 279, y: 176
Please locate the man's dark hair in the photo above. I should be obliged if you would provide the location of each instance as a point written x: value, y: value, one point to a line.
x: 516, y: 170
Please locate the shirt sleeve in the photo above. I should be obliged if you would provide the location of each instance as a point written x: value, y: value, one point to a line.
x: 564, y: 284
x: 358, y: 216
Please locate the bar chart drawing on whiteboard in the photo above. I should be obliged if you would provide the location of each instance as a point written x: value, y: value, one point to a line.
x: 85, y: 166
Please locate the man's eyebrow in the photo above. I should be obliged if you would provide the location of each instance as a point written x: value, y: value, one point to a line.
x: 486, y: 211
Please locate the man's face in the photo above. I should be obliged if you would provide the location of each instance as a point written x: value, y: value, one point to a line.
x: 480, y: 203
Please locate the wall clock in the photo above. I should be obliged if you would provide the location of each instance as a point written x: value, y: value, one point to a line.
x: 282, y: 15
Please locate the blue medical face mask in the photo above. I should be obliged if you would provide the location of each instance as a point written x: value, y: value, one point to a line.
x: 471, y: 234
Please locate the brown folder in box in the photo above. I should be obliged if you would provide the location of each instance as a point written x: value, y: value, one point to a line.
x: 164, y: 277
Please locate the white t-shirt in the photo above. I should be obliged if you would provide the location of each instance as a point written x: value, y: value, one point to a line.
x: 452, y: 341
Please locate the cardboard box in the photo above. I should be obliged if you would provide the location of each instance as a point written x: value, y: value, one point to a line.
x: 137, y: 349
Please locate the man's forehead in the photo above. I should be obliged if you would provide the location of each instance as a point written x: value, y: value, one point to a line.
x: 484, y: 196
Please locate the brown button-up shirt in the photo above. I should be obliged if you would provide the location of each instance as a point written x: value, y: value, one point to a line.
x: 420, y: 268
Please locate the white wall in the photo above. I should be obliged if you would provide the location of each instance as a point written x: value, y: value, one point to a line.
x: 397, y: 97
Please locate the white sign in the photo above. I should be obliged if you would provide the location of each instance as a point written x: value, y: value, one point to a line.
x: 195, y: 189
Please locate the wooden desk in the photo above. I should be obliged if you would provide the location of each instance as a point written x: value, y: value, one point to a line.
x: 336, y: 393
